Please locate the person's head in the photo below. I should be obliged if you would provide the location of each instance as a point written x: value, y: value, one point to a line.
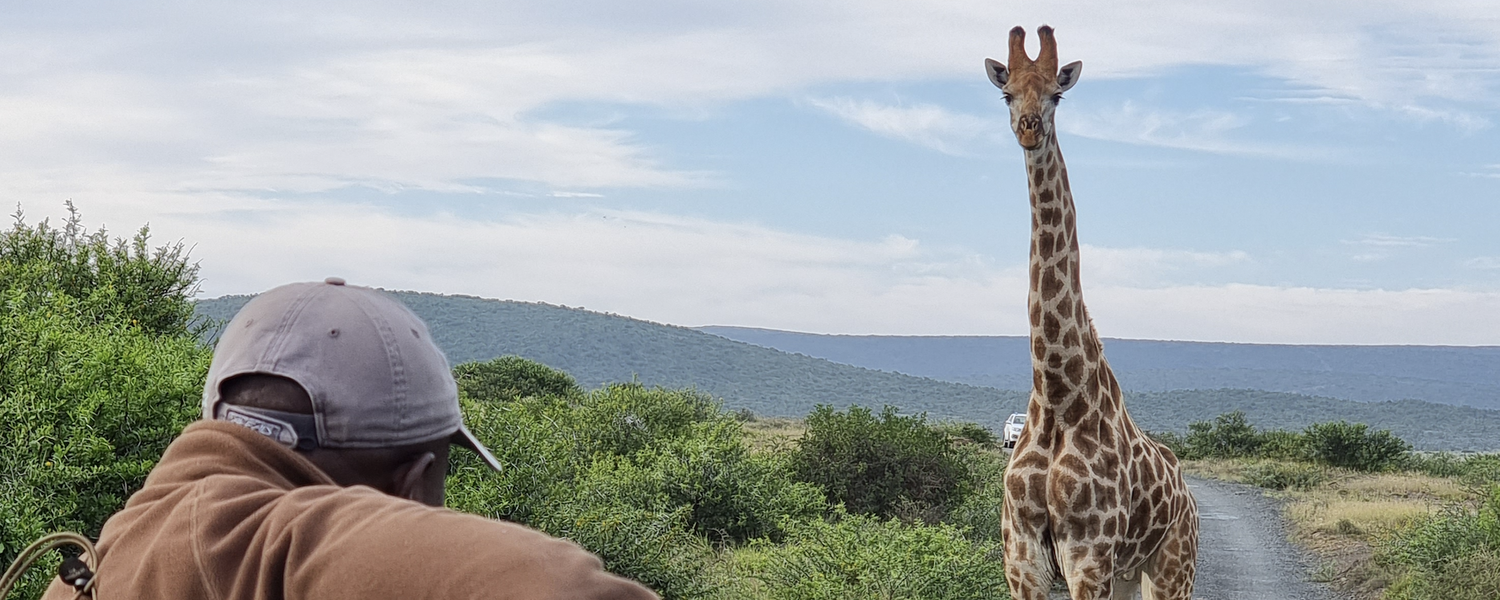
x: 349, y: 378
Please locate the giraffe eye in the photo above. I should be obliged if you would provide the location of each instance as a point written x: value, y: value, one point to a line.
x: 1007, y: 98
x: 1057, y: 98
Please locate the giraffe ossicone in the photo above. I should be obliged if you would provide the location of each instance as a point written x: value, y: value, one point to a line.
x: 1088, y: 496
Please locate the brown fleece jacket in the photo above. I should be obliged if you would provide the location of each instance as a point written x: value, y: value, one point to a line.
x: 231, y: 515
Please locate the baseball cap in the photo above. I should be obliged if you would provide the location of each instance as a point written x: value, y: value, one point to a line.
x: 368, y: 363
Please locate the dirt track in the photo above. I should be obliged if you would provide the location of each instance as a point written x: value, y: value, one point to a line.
x: 1243, y: 553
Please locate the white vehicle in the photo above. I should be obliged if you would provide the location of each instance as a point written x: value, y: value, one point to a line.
x: 1012, y: 431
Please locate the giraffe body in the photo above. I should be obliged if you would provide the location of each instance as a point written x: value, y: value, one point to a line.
x: 1088, y: 496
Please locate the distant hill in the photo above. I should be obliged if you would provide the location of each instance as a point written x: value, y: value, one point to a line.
x: 1467, y: 376
x: 599, y: 348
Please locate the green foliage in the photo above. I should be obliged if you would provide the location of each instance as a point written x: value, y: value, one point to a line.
x: 98, y: 372
x: 650, y: 479
x: 1337, y: 443
x: 887, y: 466
x: 1230, y: 435
x: 511, y: 377
x: 115, y: 281
x: 978, y: 514
x: 1452, y: 554
x: 1282, y: 445
x: 1174, y: 441
x: 1354, y: 446
x: 865, y: 557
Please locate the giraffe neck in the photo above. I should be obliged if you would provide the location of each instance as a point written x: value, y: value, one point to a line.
x: 1066, y: 356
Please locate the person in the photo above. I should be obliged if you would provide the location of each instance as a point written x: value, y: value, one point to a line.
x: 317, y: 471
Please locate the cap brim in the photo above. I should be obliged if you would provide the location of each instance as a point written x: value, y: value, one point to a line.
x: 464, y: 437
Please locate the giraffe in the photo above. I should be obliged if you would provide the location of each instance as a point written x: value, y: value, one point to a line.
x: 1088, y: 495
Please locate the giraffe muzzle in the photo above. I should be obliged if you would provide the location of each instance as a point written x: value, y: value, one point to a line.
x: 1029, y: 131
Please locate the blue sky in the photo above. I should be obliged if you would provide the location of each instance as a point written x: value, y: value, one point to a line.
x: 1256, y: 171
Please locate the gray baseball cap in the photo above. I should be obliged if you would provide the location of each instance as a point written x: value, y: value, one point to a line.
x: 375, y: 377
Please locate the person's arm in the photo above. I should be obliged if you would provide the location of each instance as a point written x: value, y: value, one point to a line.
x: 359, y: 543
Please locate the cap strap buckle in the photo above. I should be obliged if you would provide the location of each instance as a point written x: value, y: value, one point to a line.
x: 293, y: 430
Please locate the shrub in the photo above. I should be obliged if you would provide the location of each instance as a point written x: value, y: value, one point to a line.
x: 510, y: 377
x: 978, y: 514
x: 1452, y: 554
x: 1282, y: 445
x: 887, y: 466
x: 1354, y: 446
x: 865, y: 557
x: 1230, y: 435
x: 99, y: 371
x: 647, y: 478
x: 116, y: 281
x: 1174, y: 441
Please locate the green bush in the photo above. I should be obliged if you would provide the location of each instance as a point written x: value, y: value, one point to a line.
x: 1452, y: 554
x: 978, y: 514
x: 116, y: 281
x: 1282, y: 445
x: 888, y: 466
x: 1230, y: 435
x: 1354, y: 446
x: 99, y: 371
x: 865, y: 557
x: 650, y: 479
x: 1174, y: 441
x: 510, y: 377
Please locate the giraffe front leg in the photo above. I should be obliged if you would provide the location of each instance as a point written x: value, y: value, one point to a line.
x: 1088, y: 566
x: 1028, y: 568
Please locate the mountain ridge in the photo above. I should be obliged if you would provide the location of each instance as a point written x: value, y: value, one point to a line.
x: 599, y: 348
x: 1458, y: 375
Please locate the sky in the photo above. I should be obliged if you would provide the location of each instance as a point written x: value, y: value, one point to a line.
x: 1262, y: 171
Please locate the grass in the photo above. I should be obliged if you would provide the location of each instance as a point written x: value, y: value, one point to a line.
x: 772, y: 433
x: 1344, y: 513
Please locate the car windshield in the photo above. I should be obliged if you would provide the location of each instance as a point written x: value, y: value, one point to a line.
x: 1018, y: 418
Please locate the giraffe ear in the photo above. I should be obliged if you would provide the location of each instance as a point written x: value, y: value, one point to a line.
x: 1068, y: 75
x: 998, y: 75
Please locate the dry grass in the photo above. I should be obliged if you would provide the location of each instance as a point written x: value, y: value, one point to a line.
x: 771, y: 433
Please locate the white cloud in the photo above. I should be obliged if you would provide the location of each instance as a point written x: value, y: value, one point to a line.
x: 691, y: 271
x: 1298, y: 315
x: 331, y: 94
x: 1379, y: 246
x: 1486, y: 263
x: 926, y: 125
x: 1202, y: 130
x: 1145, y: 267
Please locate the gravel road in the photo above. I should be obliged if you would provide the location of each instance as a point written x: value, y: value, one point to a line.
x: 1243, y: 553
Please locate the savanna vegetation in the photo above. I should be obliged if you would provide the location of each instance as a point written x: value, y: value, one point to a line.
x: 1387, y: 522
x: 101, y: 366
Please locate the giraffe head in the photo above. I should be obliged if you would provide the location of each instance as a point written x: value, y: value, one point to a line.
x: 1032, y: 87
